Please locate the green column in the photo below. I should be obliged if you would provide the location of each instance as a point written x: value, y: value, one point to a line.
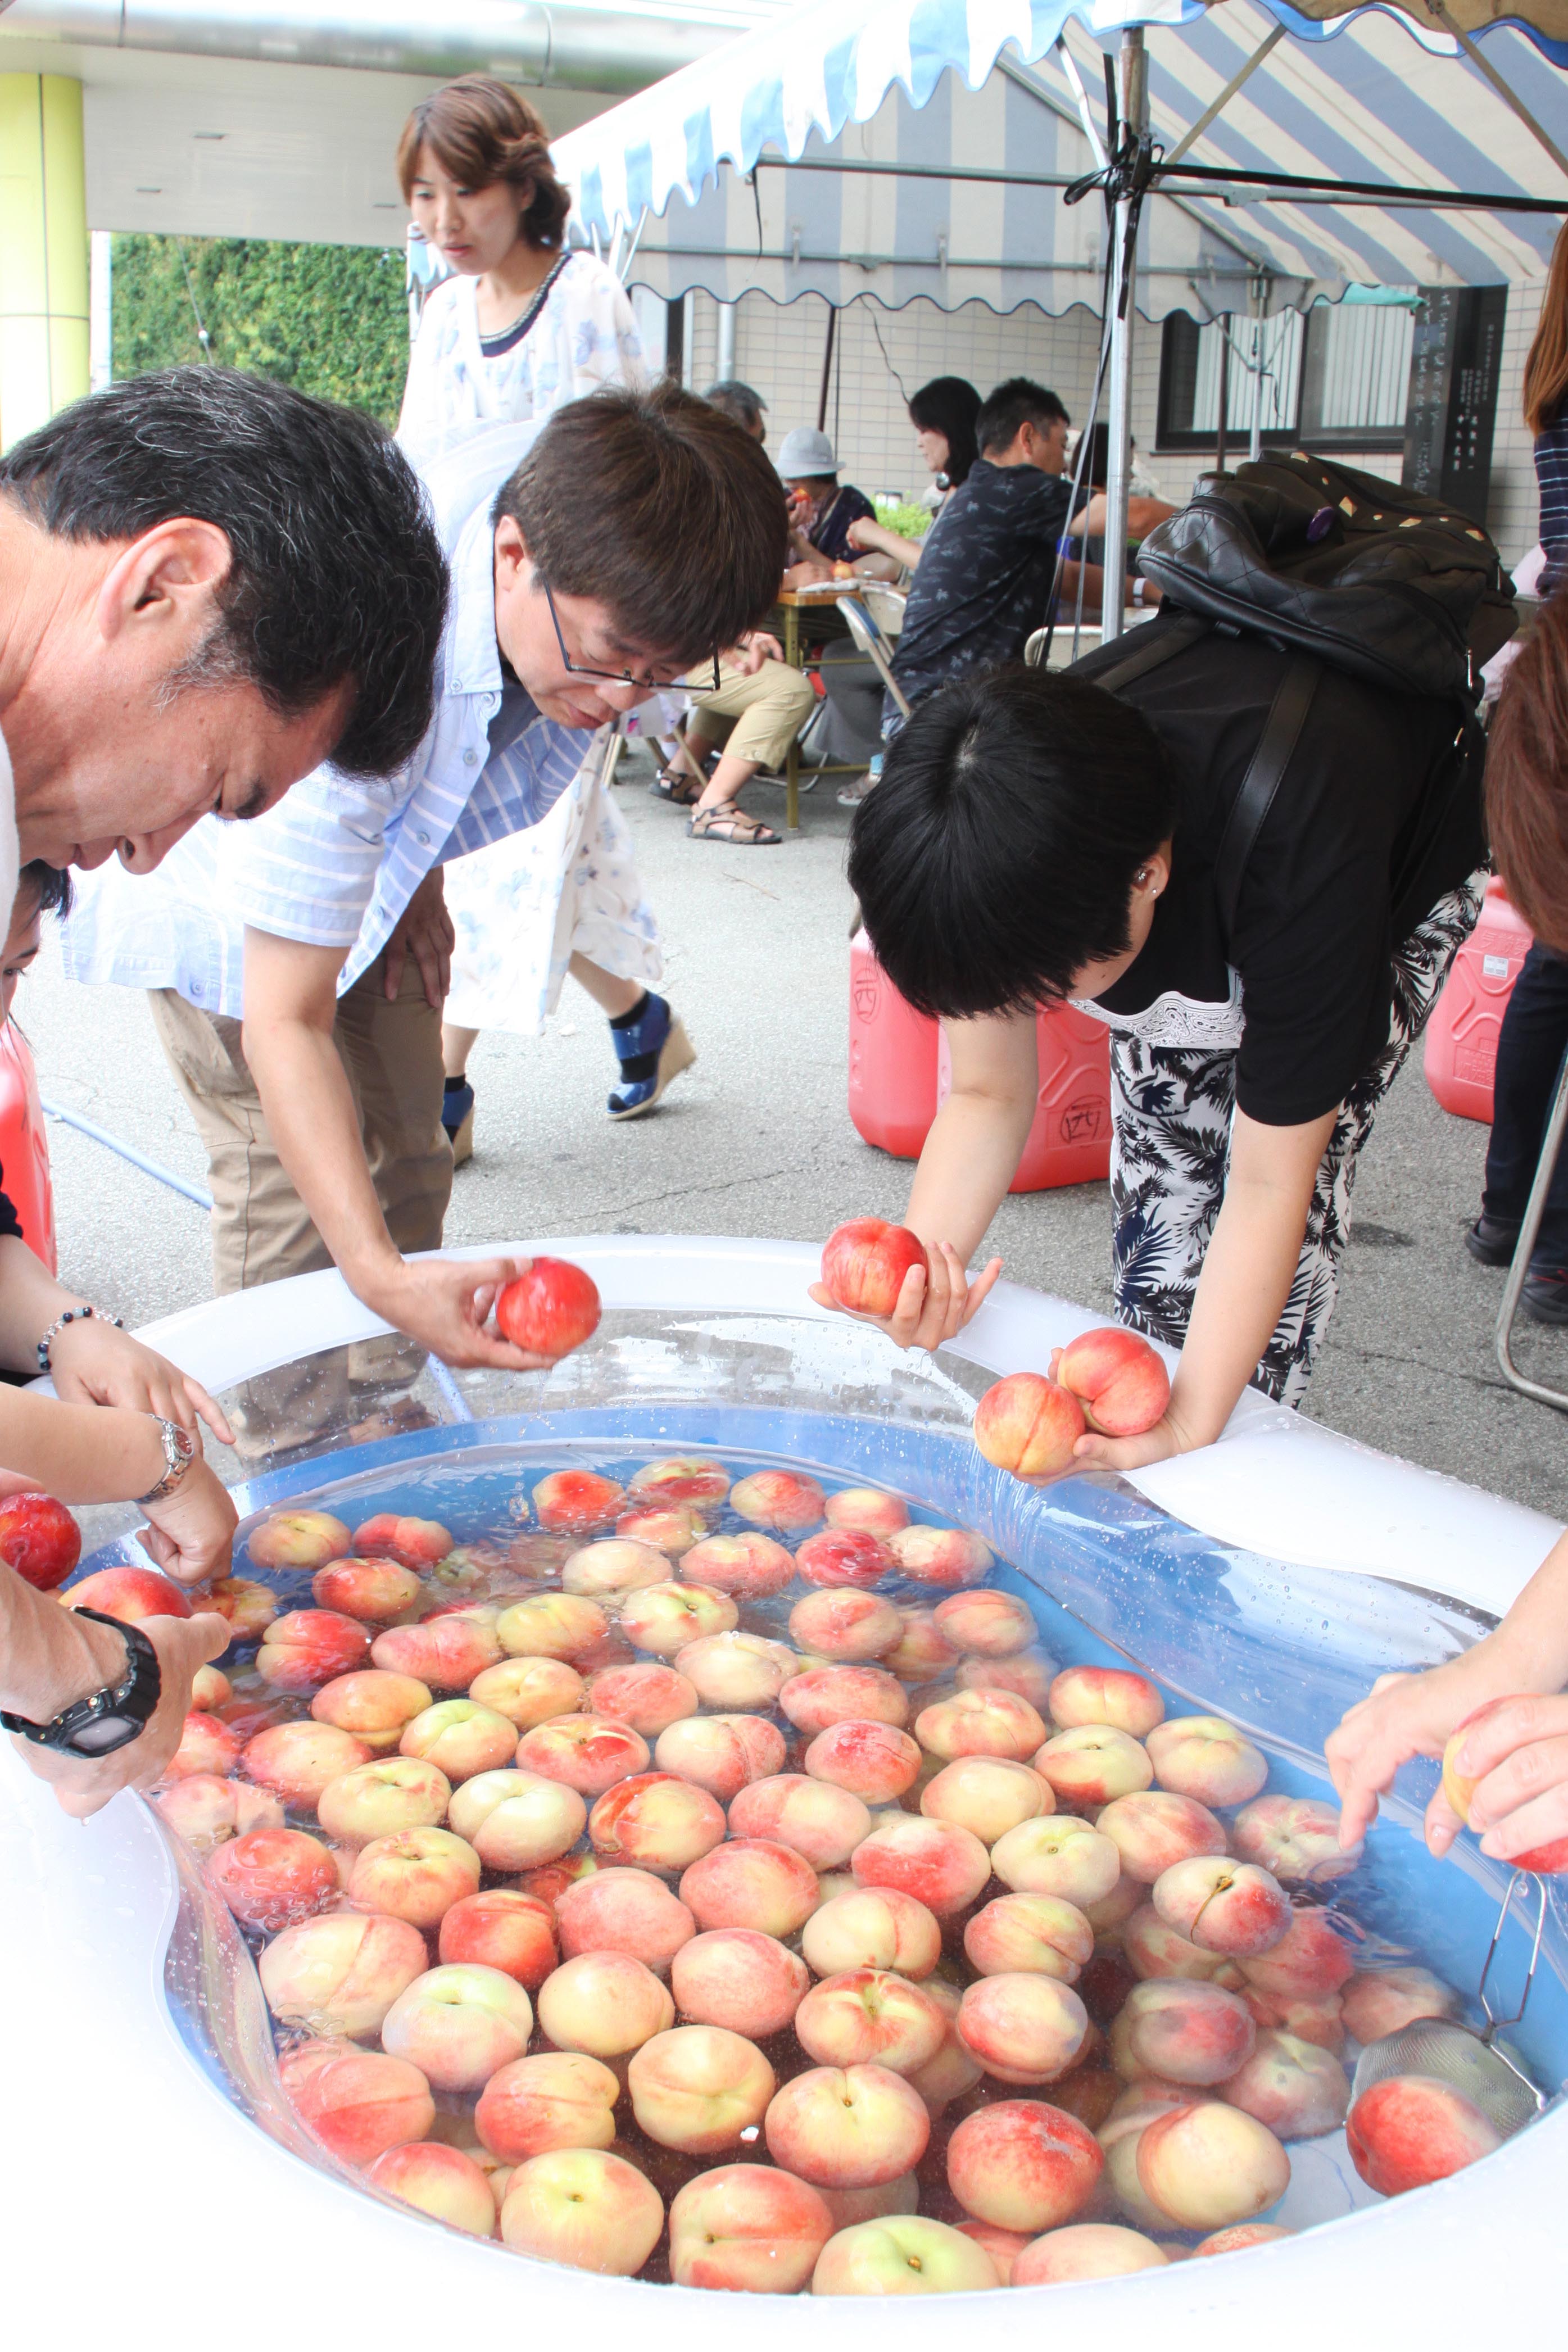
x: 44, y: 355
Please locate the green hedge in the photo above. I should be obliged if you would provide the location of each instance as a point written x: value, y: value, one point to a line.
x: 331, y: 318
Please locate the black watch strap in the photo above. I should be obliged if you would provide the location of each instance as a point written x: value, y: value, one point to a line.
x: 108, y: 1718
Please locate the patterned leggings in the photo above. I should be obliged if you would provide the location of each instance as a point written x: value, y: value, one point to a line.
x: 1173, y: 1110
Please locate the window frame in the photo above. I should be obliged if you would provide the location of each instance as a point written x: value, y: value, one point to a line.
x: 1175, y: 441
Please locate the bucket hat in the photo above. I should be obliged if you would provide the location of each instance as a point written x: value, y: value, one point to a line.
x: 806, y: 451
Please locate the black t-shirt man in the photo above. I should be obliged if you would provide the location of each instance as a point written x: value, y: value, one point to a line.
x: 1375, y: 820
x: 985, y: 574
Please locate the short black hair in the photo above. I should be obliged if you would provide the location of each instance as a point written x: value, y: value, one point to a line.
x: 740, y: 403
x: 1013, y: 404
x: 46, y: 886
x: 660, y: 507
x: 336, y: 573
x: 995, y: 857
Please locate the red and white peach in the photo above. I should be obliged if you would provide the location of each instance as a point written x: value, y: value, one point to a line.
x: 205, y: 1810
x: 1183, y: 2030
x: 624, y: 1911
x: 1205, y: 1757
x: 1154, y: 1829
x: 1297, y: 1838
x: 721, y: 1753
x: 649, y: 1696
x: 458, y: 2023
x: 1023, y: 2028
x: 561, y: 1625
x: 1245, y: 2234
x: 737, y: 1671
x: 1028, y: 1425
x: 1029, y: 1934
x: 372, y: 1705
x: 1310, y: 1961
x: 671, y: 1528
x: 786, y: 1500
x: 583, y: 2207
x: 359, y: 2103
x: 270, y: 1878
x: 1221, y: 1905
x: 1155, y: 1949
x: 681, y: 1479
x: 1088, y: 2250
x: 1093, y: 1764
x: 656, y: 1822
x: 1023, y: 2164
x: 840, y: 1559
x: 986, y: 1623
x: 750, y: 1883
x: 738, y: 1978
x: 459, y: 1737
x: 1110, y: 1695
x: 417, y: 1875
x: 577, y: 1502
x: 698, y: 2088
x: 1210, y: 2166
x: 1299, y: 2090
x: 605, y: 2004
x: 945, y: 1557
x: 871, y: 2017
x: 987, y: 1795
x: 941, y: 1866
x: 514, y: 1820
x: 586, y: 1752
x: 1385, y: 2002
x: 1118, y: 1377
x: 617, y: 1565
x: 824, y: 1695
x: 413, y: 1542
x: 749, y: 1566
x: 876, y: 1762
x: 664, y: 1618
x: 378, y: 1799
x: 559, y: 2099
x: 501, y: 1929
x: 847, y: 2127
x: 341, y: 1973
x: 374, y: 1591
x: 980, y: 1722
x: 308, y: 1647
x: 446, y: 1652
x: 867, y: 1509
x: 438, y: 2180
x: 816, y: 1819
x: 1029, y: 1674
x: 902, y: 2254
x: 1410, y: 2130
x: 747, y: 2229
x: 1059, y: 1854
x: 297, y: 1540
x: 849, y: 1627
x: 529, y: 1691
x: 865, y: 1263
x: 922, y: 1652
x: 872, y: 1927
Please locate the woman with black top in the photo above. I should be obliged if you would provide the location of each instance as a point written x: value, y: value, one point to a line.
x: 943, y: 413
x: 1035, y: 839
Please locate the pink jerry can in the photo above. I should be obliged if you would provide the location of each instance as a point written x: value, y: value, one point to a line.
x: 1461, y: 1036
x: 892, y: 1059
x: 1070, y: 1143
x: 24, y: 1146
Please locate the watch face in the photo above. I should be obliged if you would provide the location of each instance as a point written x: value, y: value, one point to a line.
x: 105, y: 1734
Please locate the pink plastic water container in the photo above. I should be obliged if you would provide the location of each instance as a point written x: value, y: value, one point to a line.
x: 24, y: 1147
x: 1070, y: 1143
x: 892, y: 1059
x: 1460, y: 1056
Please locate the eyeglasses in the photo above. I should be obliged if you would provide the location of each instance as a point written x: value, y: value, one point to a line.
x: 625, y: 677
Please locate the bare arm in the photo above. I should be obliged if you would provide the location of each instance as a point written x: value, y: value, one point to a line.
x: 290, y: 1003
x: 1246, y: 1280
x: 91, y: 1360
x: 1143, y: 514
x: 97, y: 1453
x: 874, y: 538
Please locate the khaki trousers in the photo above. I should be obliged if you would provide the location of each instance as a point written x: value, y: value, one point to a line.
x: 767, y: 710
x: 261, y: 1230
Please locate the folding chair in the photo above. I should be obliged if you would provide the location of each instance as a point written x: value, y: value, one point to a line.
x: 1546, y: 1168
x: 871, y: 639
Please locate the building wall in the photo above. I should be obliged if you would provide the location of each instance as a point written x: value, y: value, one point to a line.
x: 779, y: 351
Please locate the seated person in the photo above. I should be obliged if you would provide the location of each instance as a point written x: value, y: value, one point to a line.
x: 1089, y: 523
x: 741, y: 405
x: 760, y: 706
x: 943, y: 413
x: 821, y: 507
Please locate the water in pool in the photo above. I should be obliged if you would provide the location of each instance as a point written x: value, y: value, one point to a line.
x: 690, y: 1861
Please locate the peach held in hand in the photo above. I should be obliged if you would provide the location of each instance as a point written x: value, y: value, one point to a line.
x: 359, y: 2103
x: 945, y: 1557
x: 551, y: 1307
x: 341, y: 1973
x: 586, y: 1752
x: 1203, y: 1755
x: 1022, y: 2027
x: 272, y: 1877
x: 1090, y: 2250
x: 850, y: 2127
x: 1223, y: 1906
x: 1207, y: 2167
x: 665, y: 1617
x: 586, y: 2208
x: 847, y: 1626
x: 1153, y: 1830
x: 457, y: 2024
x: 559, y: 2099
x: 378, y: 1799
x: 863, y: 1263
x: 783, y: 1499
x: 873, y: 1927
x: 624, y: 1911
x: 750, y: 1883
x: 373, y: 1706
x: 870, y: 2016
x: 1093, y: 1764
x: 440, y: 2181
x: 721, y: 1753
x: 505, y: 1929
x: 699, y: 2088
x: 1023, y: 2164
x: 1059, y: 1855
x: 516, y: 1820
x: 1122, y: 1384
x: 374, y: 1591
x: 297, y: 1540
x: 1410, y: 2130
x: 748, y: 1567
x: 747, y: 2227
x: 740, y: 1979
x: 656, y: 1822
x: 416, y: 1876
x: 1298, y: 1838
x: 604, y: 2004
x: 874, y: 1761
x: 1029, y: 1934
x: 902, y: 2254
x: 1297, y: 2089
x: 868, y: 1510
x: 987, y: 1795
x: 1028, y: 1425
x: 1182, y: 2030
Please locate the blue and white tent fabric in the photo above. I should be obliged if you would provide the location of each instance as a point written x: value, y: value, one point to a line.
x: 1368, y: 95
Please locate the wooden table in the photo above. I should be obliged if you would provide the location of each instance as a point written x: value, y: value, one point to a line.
x: 784, y: 623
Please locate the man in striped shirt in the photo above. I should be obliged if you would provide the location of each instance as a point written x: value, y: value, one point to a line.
x: 298, y: 971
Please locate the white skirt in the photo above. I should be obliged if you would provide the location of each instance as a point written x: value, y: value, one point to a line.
x: 522, y: 908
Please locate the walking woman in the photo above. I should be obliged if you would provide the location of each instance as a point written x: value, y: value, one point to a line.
x: 524, y: 325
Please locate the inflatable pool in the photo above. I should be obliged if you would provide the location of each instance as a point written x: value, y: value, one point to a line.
x: 1269, y: 1580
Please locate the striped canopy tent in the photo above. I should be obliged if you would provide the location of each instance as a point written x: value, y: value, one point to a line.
x: 900, y: 148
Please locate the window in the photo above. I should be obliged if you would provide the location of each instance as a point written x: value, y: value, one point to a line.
x: 1335, y: 379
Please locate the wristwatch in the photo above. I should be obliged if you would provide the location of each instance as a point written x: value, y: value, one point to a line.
x: 110, y: 1719
x: 179, y: 1453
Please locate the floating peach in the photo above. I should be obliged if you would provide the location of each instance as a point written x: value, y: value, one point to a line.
x: 548, y: 1883
x: 1244, y: 2235
x: 721, y: 1753
x: 665, y: 1617
x: 1186, y: 2031
x: 618, y: 1565
x: 740, y: 1979
x: 748, y: 1567
x: 372, y: 1705
x: 824, y: 1696
x: 1093, y: 1764
x: 671, y: 1528
x: 682, y: 1479
x: 1410, y: 2130
x: 1028, y: 1425
x: 1321, y: 2021
x: 374, y: 1591
x: 272, y: 1877
x: 514, y: 1820
x: 605, y: 2004
x: 1023, y: 2028
x: 205, y: 1810
x: 1311, y: 1960
x: 206, y: 1746
x: 647, y: 1696
x: 308, y: 1647
x: 986, y: 1623
x: 503, y: 1928
x: 378, y: 1799
x: 1153, y: 1948
x: 1204, y: 1756
x: 624, y: 1911
x: 846, y: 1626
x: 297, y: 1539
x: 577, y: 1502
x: 870, y: 2016
x: 412, y: 1543
x: 1023, y: 2164
x: 949, y: 1557
x: 1154, y: 1829
x: 1298, y: 1838
x: 922, y: 1651
x: 1106, y: 1695
x: 1109, y: 1913
x: 782, y: 1499
x: 446, y: 1652
x: 980, y: 1722
x: 850, y: 2127
x: 1118, y: 1377
x: 1004, y: 2246
x: 902, y: 2254
x: 360, y: 2103
x: 750, y: 1883
x: 941, y: 1866
x: 698, y: 2088
x: 583, y: 2207
x: 1384, y: 2003
x: 1223, y: 1906
x: 873, y: 1761
x: 341, y: 1973
x: 873, y: 1927
x: 210, y: 1689
x: 559, y: 1626
x: 529, y: 1691
x: 1058, y: 1855
x: 747, y: 2227
x: 460, y: 1737
x: 867, y: 1509
x: 843, y: 1557
x: 737, y: 1670
x: 818, y: 1820
x: 417, y: 1875
x: 1208, y: 2167
x: 1029, y: 1934
x: 440, y: 2181
x: 953, y: 2071
x: 1028, y: 1673
x: 458, y: 2023
x: 987, y: 1795
x: 1088, y: 2250
x: 297, y: 1760
x: 1297, y: 2089
x: 559, y: 2099
x: 586, y: 1752
x: 656, y: 1821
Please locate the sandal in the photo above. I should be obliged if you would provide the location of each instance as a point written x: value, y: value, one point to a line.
x: 725, y: 822
x: 675, y: 785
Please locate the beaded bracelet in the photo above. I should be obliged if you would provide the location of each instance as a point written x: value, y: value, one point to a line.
x: 72, y: 1315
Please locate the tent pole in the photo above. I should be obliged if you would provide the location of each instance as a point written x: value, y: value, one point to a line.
x: 1220, y: 450
x: 725, y: 364
x: 826, y: 371
x: 1134, y: 78
x: 1255, y: 306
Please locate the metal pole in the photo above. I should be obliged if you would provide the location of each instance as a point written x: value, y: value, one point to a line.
x: 192, y: 1193
x: 826, y: 371
x: 100, y: 310
x: 725, y: 367
x: 1220, y: 451
x: 1254, y: 309
x: 1534, y: 1214
x: 1134, y: 78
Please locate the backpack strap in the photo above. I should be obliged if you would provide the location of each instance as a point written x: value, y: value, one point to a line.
x: 1265, y: 770
x: 1159, y: 647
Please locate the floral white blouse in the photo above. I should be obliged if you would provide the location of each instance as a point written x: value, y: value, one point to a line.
x: 522, y: 908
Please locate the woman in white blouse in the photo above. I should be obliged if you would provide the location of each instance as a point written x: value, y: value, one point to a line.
x: 523, y: 326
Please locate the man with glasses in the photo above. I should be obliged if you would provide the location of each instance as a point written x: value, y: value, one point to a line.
x: 299, y: 970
